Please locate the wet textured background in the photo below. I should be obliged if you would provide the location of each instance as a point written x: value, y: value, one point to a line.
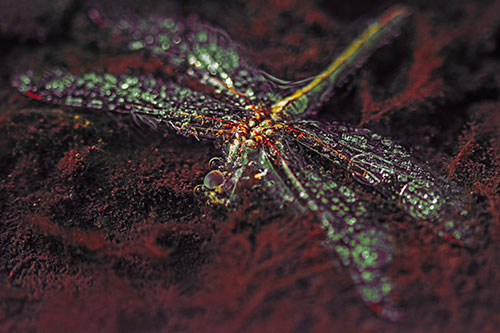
x: 99, y: 226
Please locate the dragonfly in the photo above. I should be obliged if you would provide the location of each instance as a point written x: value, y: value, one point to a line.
x: 262, y: 126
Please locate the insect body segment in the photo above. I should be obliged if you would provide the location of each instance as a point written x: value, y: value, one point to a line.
x: 259, y: 125
x: 320, y: 87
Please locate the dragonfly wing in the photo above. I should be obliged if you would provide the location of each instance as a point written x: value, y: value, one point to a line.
x: 154, y: 100
x: 198, y: 49
x: 363, y: 245
x: 380, y: 163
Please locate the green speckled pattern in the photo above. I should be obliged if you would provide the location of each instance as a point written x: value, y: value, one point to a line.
x: 295, y: 159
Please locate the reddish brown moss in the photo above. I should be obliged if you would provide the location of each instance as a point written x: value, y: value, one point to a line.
x: 101, y: 230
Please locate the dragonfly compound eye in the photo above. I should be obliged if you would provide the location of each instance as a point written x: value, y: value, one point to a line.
x: 213, y: 179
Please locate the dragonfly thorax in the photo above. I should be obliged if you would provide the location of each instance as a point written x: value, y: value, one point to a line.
x: 255, y: 132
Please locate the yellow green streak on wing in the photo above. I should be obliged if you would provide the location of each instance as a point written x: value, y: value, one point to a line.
x: 370, y: 39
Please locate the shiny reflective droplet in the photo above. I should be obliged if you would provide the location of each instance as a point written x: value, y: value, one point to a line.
x: 199, y: 190
x: 215, y: 163
x: 213, y: 179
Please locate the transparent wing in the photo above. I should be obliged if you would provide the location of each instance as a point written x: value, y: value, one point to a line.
x: 150, y: 99
x: 363, y: 245
x: 386, y: 166
x: 197, y: 49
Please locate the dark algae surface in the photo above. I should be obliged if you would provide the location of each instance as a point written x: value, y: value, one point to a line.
x: 103, y: 226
